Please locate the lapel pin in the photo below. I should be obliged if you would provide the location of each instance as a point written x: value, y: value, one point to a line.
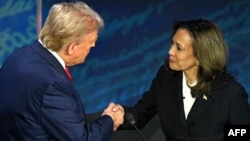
x: 204, y: 97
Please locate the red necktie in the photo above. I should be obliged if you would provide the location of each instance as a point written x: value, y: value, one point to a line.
x: 68, y: 73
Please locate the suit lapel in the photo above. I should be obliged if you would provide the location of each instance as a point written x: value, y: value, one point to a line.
x: 44, y: 53
x: 178, y: 97
x: 199, y: 106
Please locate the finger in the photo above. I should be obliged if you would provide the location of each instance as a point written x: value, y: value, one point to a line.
x: 111, y: 106
x: 118, y: 107
x: 115, y: 108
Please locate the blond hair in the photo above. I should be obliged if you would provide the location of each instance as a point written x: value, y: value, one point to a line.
x: 67, y: 23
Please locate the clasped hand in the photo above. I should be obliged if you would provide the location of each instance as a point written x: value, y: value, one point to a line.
x: 116, y: 112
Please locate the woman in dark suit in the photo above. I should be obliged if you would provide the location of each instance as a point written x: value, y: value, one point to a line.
x: 192, y: 93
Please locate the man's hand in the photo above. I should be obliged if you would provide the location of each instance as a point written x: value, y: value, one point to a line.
x: 116, y: 112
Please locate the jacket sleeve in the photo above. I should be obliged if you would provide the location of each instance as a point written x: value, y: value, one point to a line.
x: 146, y: 107
x: 63, y: 116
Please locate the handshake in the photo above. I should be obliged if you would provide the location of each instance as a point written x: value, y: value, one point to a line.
x: 116, y: 112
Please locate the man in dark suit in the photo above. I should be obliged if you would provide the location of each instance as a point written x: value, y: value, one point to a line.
x: 37, y: 98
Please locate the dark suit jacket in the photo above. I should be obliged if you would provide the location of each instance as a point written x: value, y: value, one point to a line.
x: 39, y: 103
x: 206, y: 120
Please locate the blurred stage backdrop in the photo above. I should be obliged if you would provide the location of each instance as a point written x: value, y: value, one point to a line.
x: 133, y: 43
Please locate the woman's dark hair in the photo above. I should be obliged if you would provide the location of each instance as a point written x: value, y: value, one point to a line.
x: 210, y: 49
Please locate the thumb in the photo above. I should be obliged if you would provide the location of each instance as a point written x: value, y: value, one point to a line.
x: 111, y: 106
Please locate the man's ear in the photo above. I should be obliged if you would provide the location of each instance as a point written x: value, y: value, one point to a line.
x: 70, y: 48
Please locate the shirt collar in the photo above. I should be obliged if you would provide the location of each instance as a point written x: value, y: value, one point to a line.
x: 55, y: 54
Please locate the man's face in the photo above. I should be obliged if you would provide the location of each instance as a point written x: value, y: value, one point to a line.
x: 82, y: 49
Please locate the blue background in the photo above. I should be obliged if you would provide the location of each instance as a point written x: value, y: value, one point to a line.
x: 133, y: 43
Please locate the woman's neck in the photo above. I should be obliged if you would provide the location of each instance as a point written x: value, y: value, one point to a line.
x: 191, y: 77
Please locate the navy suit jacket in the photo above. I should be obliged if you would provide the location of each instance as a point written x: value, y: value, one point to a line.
x: 39, y: 103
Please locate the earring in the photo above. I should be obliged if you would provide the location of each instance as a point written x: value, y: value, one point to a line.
x: 197, y: 64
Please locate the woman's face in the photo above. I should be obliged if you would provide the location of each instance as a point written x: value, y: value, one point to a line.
x: 181, y: 56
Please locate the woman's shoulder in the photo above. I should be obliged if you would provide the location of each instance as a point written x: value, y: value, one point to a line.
x: 229, y: 82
